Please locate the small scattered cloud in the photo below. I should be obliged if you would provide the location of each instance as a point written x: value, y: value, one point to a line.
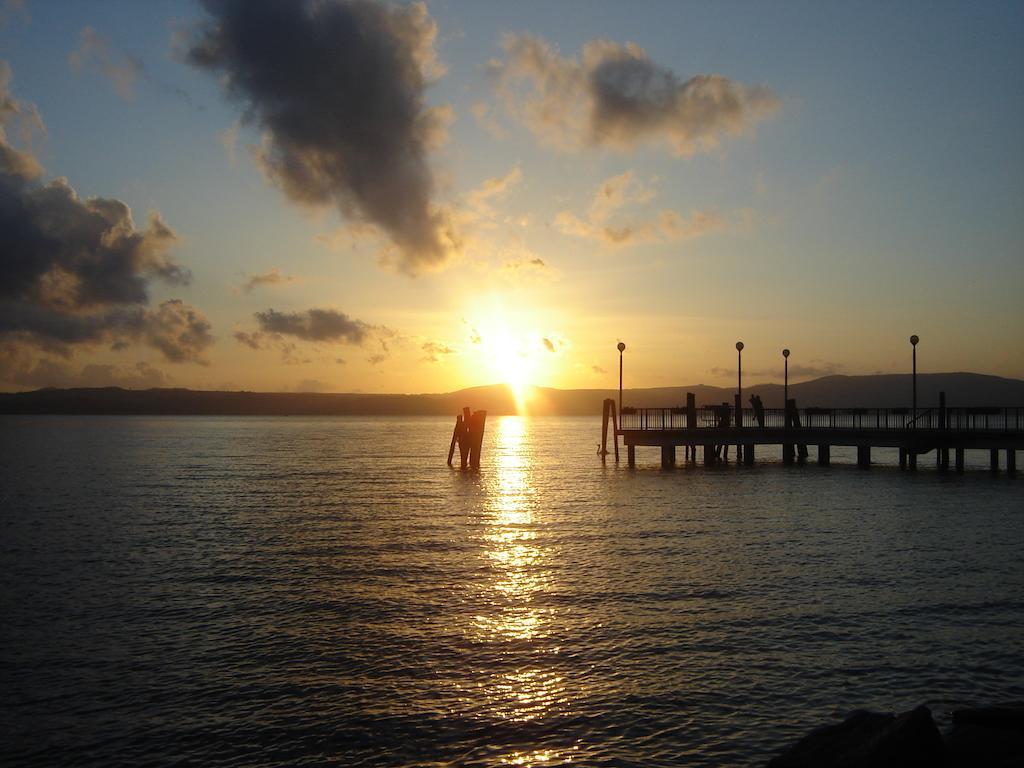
x: 311, y: 385
x: 811, y: 370
x: 527, y: 268
x: 480, y: 199
x: 613, y: 96
x: 437, y: 351
x: 95, y: 52
x: 180, y: 332
x: 122, y: 70
x: 271, y: 277
x: 597, y: 369
x: 13, y: 10
x: 606, y: 222
x: 338, y: 91
x: 320, y: 325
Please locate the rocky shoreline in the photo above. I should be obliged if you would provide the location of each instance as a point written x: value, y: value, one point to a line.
x: 983, y: 736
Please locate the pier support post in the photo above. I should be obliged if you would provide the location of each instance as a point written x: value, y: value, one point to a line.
x: 959, y: 458
x: 668, y: 456
x: 824, y: 454
x: 943, y: 459
x: 994, y: 459
x: 739, y: 423
x: 631, y: 456
x: 903, y: 458
x: 912, y: 458
x: 1011, y: 462
x: 709, y: 455
x: 788, y: 453
x: 748, y: 454
x: 864, y: 456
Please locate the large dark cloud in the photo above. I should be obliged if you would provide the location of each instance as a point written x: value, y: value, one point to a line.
x: 76, y: 270
x: 338, y: 88
x: 616, y: 96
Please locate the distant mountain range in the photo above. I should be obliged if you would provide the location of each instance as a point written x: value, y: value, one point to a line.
x: 891, y: 390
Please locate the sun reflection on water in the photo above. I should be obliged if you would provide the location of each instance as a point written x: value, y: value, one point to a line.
x: 515, y: 626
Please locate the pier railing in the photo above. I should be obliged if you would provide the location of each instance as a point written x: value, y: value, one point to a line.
x: 972, y: 419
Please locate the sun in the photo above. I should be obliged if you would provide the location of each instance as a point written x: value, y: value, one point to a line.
x: 509, y: 353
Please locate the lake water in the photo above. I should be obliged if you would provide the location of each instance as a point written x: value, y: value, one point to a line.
x: 292, y: 591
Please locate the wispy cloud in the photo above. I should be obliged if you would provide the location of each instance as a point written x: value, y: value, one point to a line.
x: 604, y: 220
x: 272, y: 277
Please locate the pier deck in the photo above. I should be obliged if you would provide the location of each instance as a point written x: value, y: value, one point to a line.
x: 934, y: 429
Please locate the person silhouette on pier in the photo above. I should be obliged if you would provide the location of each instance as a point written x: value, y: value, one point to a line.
x: 758, y: 406
x: 724, y: 418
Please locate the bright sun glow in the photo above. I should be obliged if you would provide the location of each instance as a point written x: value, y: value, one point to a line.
x: 511, y: 351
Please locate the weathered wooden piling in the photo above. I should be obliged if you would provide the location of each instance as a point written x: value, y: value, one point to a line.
x: 824, y: 454
x: 1011, y: 462
x: 468, y: 435
x: 609, y: 415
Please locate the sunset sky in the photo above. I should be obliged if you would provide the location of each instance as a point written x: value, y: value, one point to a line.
x: 347, y: 196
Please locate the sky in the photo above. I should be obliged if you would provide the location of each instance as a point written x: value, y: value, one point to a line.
x: 361, y: 197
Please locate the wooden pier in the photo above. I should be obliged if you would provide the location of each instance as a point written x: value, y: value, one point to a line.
x: 714, y: 429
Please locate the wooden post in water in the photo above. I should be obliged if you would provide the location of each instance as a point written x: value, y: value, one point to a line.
x: 615, y: 430
x: 864, y: 456
x: 960, y: 460
x: 994, y: 459
x: 476, y: 437
x: 456, y: 439
x: 604, y: 429
x: 1011, y: 462
x: 469, y: 436
x: 739, y: 423
x: 824, y: 454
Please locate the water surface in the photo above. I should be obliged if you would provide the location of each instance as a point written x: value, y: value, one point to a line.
x: 289, y: 591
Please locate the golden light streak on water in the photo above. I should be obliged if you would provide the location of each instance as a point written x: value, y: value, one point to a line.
x: 518, y: 576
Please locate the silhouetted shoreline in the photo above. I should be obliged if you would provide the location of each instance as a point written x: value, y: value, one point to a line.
x: 890, y: 390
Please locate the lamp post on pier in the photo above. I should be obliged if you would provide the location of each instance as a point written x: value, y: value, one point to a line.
x: 913, y: 343
x: 621, y: 347
x: 785, y: 386
x: 739, y: 370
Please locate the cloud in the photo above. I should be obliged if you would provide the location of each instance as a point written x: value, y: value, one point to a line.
x: 480, y: 198
x: 812, y: 370
x: 271, y: 277
x: 96, y: 52
x: 311, y: 385
x: 181, y: 332
x: 597, y: 369
x: 123, y: 70
x: 338, y: 90
x: 313, y: 325
x: 549, y: 345
x: 615, y: 97
x: 437, y: 351
x: 78, y: 271
x: 603, y: 222
x: 21, y: 368
x: 11, y: 10
x: 319, y: 326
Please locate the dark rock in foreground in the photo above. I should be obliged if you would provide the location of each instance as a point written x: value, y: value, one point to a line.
x: 869, y: 739
x: 984, y: 736
x: 988, y: 736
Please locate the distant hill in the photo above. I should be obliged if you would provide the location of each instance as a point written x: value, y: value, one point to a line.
x: 892, y: 390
